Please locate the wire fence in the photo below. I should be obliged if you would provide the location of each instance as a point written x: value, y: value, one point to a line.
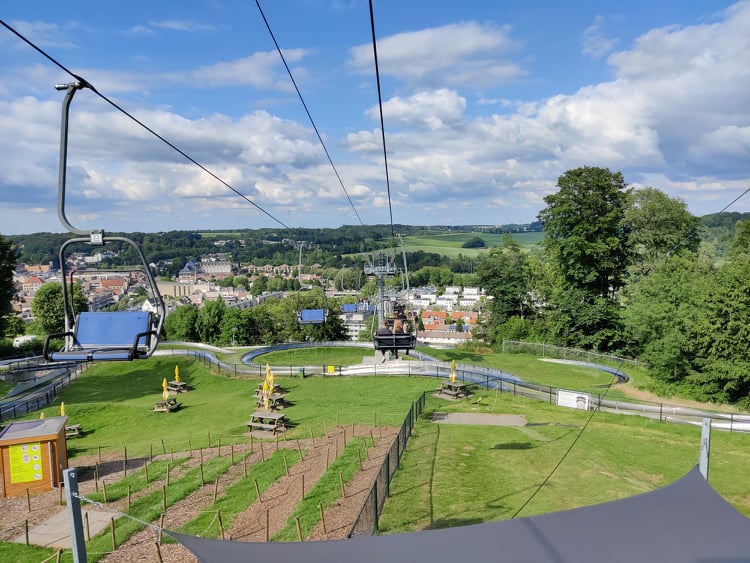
x: 560, y: 352
x: 44, y: 395
x: 366, y: 523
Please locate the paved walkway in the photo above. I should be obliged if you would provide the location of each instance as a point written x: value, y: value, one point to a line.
x: 55, y: 531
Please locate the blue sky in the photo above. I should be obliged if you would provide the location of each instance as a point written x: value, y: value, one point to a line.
x: 486, y: 104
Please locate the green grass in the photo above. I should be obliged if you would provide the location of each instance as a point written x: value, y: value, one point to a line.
x: 450, y: 474
x: 457, y: 474
x: 450, y: 244
x: 112, y: 402
x: 324, y: 356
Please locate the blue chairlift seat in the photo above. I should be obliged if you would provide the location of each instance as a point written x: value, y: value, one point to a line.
x: 312, y: 316
x: 120, y: 335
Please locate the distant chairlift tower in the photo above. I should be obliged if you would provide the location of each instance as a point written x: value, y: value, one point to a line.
x: 382, y: 266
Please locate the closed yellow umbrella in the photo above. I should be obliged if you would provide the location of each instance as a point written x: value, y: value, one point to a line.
x: 164, y: 384
x: 177, y: 373
x: 453, y: 371
x: 62, y: 408
x: 41, y: 415
x: 165, y: 394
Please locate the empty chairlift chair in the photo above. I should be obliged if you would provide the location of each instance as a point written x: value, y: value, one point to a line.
x: 100, y: 335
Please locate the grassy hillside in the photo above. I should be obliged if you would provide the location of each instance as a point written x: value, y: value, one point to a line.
x: 449, y: 244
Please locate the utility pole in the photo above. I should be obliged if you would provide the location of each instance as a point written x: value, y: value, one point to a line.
x: 77, y: 543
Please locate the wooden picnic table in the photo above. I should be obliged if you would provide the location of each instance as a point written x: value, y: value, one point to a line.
x: 275, y: 401
x: 72, y: 430
x: 278, y: 388
x: 270, y: 421
x: 454, y: 389
x: 168, y: 405
x: 177, y: 386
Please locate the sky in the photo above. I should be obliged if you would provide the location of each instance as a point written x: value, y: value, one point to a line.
x: 485, y: 104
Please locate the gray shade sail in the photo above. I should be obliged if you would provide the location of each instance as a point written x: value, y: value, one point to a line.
x: 685, y: 522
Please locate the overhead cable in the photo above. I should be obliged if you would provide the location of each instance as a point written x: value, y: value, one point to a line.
x: 299, y: 94
x: 382, y: 126
x: 87, y: 84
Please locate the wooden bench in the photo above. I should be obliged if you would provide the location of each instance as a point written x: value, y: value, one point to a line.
x: 265, y: 426
x: 99, y: 335
x: 73, y: 431
x: 169, y: 405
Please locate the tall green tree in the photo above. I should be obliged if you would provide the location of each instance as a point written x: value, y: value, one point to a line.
x: 47, y: 307
x: 586, y: 238
x: 584, y: 229
x: 502, y: 274
x: 657, y: 226
x: 722, y: 333
x: 8, y: 259
x: 209, y: 321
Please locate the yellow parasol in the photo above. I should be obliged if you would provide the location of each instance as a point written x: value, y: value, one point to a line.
x: 164, y: 383
x: 165, y: 394
x: 453, y: 371
x: 62, y: 408
x: 41, y: 415
x: 177, y: 373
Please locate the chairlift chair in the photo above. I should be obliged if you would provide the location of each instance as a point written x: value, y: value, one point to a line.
x: 99, y: 335
x: 312, y: 316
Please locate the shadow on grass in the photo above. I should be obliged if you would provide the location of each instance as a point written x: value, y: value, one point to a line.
x: 514, y: 446
x: 441, y: 523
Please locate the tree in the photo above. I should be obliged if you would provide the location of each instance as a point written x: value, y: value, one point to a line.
x: 8, y: 259
x: 584, y: 229
x: 657, y: 226
x: 586, y: 238
x: 502, y: 274
x: 661, y: 312
x: 180, y: 324
x: 259, y: 285
x: 47, y: 307
x: 209, y: 321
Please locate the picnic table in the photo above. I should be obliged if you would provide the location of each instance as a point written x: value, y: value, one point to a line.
x: 278, y: 388
x: 177, y: 386
x: 454, y: 389
x: 72, y: 430
x: 270, y: 421
x: 275, y: 401
x: 167, y: 405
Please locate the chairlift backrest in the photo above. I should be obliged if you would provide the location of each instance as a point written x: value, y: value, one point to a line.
x: 121, y: 335
x: 312, y: 316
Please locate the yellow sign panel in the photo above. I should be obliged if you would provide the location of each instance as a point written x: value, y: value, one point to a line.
x: 25, y: 462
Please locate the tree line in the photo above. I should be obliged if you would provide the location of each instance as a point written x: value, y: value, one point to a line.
x: 619, y: 270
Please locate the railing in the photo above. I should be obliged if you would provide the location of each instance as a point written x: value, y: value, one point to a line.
x: 42, y: 398
x: 366, y: 523
x: 552, y: 351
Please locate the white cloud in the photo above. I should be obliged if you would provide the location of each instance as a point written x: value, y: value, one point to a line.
x: 457, y: 54
x: 595, y: 42
x: 432, y: 110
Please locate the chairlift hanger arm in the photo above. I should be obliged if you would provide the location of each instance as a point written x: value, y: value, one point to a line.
x: 96, y: 236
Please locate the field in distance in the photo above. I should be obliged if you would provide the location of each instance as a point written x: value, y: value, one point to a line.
x: 449, y: 244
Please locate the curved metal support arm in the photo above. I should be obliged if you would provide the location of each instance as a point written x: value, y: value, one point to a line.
x: 95, y: 236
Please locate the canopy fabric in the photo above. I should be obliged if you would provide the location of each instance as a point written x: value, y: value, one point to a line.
x: 685, y: 522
